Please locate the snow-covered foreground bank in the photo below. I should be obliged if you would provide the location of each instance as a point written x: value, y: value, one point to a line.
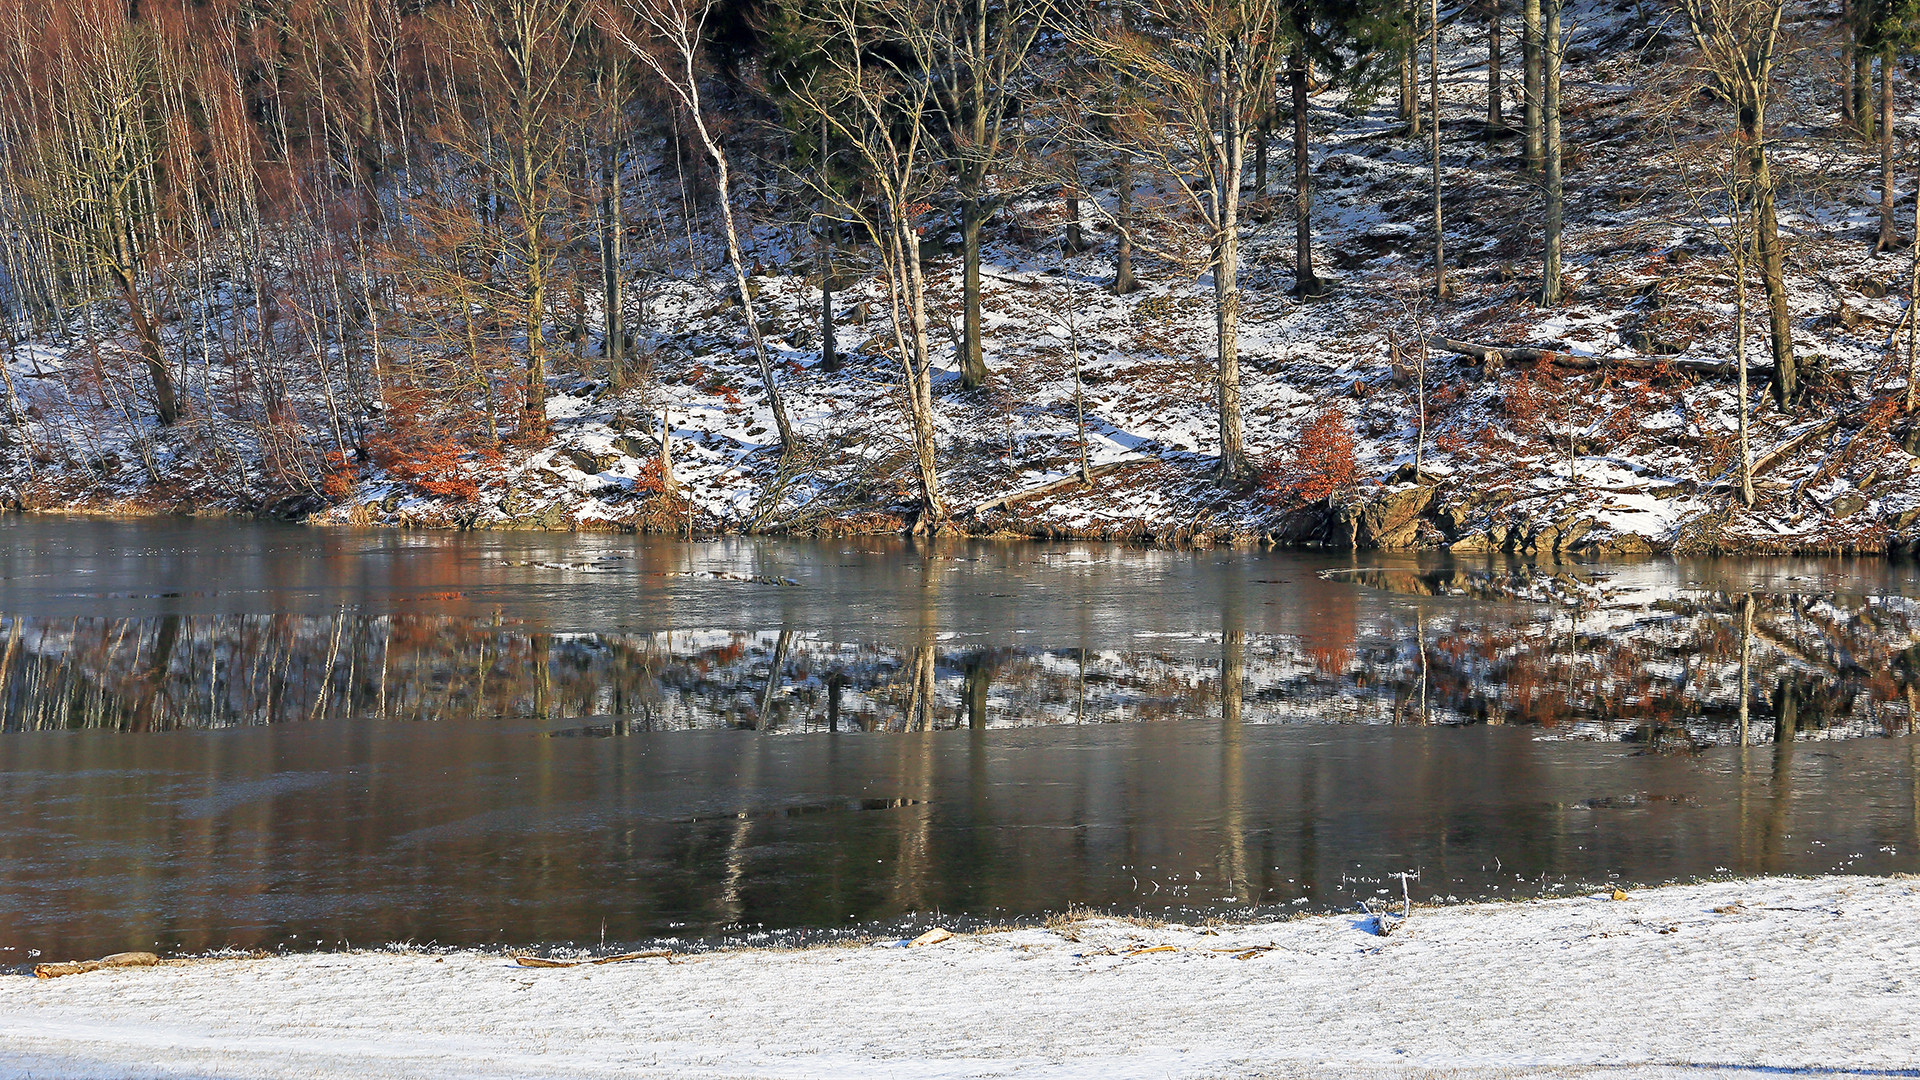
x: 1731, y: 979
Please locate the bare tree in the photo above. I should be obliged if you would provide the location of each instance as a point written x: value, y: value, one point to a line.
x: 1433, y: 91
x: 1496, y: 107
x: 1737, y: 40
x: 982, y: 47
x: 1530, y: 82
x: 1715, y: 178
x: 869, y: 89
x: 520, y: 52
x: 676, y: 29
x: 103, y: 136
x: 1202, y: 67
x: 1913, y: 311
x: 1552, y: 49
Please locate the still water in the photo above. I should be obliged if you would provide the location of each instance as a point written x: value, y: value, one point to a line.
x: 224, y: 735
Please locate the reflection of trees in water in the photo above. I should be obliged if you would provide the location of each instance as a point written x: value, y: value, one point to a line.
x: 1685, y: 669
x: 1694, y: 666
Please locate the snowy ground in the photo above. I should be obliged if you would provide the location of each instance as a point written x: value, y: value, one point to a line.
x: 1732, y: 979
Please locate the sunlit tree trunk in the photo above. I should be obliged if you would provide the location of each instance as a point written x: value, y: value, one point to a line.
x: 1552, y: 151
x: 1889, y: 236
x: 1433, y: 92
x: 1531, y: 89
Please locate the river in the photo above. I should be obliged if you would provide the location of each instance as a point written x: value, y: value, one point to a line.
x: 222, y: 735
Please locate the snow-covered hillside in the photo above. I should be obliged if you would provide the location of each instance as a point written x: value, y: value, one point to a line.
x: 1625, y: 444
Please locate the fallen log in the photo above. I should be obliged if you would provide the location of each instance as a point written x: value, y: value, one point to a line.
x: 1779, y: 453
x: 81, y: 967
x: 1766, y: 461
x: 1001, y: 502
x: 1527, y: 354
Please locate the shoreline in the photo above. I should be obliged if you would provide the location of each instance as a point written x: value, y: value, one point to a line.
x: 894, y: 522
x: 1736, y: 978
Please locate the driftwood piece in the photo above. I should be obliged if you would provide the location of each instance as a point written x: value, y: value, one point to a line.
x: 652, y: 954
x: 542, y: 962
x: 1001, y: 502
x: 81, y: 967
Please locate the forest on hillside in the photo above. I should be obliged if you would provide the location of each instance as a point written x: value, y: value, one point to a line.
x: 1533, y: 277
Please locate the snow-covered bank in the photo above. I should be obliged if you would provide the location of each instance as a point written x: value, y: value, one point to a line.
x: 1734, y: 979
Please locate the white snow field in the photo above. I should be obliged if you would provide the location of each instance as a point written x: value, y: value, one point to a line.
x: 1749, y: 978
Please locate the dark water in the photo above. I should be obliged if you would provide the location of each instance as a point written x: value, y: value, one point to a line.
x: 215, y: 735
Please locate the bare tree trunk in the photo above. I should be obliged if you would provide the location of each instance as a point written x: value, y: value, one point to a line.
x: 1496, y: 107
x: 906, y: 296
x: 973, y: 363
x: 534, y: 408
x: 613, y: 322
x: 1889, y: 236
x: 920, y: 379
x: 1410, y: 72
x: 1846, y: 63
x: 1786, y: 379
x: 672, y: 23
x: 1913, y: 310
x: 1740, y: 244
x: 1305, y: 281
x: 1076, y: 238
x: 1433, y: 92
x: 1123, y: 279
x: 1531, y: 83
x: 1226, y: 273
x: 1740, y: 53
x: 166, y: 400
x: 1260, y: 138
x: 1863, y: 114
x: 1551, y: 151
x: 724, y: 191
x: 829, y: 348
x: 668, y: 484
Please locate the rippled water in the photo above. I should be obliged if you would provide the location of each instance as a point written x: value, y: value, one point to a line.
x: 220, y: 735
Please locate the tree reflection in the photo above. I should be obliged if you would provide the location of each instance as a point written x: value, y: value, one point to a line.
x: 1675, y: 675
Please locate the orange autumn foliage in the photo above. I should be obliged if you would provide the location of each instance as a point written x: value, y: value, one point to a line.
x: 419, y: 452
x: 1320, y: 467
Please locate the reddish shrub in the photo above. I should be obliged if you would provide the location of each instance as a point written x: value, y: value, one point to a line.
x: 425, y: 456
x: 337, y: 483
x: 1321, y: 466
x: 652, y: 479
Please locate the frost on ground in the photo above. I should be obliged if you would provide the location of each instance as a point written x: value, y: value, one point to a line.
x: 1730, y: 979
